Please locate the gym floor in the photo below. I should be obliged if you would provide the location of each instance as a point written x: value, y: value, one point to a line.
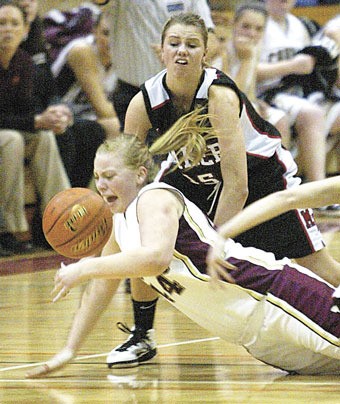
x: 191, y: 366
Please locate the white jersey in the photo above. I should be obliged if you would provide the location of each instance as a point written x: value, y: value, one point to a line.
x: 281, y: 44
x: 274, y: 309
x: 74, y: 94
x: 136, y: 26
x: 272, y: 115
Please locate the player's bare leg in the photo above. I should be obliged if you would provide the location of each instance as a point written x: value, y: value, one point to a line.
x: 322, y: 264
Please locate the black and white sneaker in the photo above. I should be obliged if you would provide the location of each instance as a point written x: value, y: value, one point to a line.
x: 139, y: 347
x: 329, y: 211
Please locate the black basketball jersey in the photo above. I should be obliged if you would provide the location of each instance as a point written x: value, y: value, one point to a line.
x: 268, y: 162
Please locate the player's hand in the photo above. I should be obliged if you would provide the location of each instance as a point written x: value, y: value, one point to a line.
x: 58, y: 361
x: 67, y: 277
x: 217, y: 264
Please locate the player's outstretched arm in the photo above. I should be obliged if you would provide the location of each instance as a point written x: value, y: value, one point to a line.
x: 313, y: 194
x: 57, y: 362
x: 95, y: 299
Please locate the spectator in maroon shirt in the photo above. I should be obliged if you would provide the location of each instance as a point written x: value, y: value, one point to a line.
x: 27, y: 131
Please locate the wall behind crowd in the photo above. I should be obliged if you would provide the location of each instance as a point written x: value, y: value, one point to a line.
x: 312, y: 12
x: 46, y: 5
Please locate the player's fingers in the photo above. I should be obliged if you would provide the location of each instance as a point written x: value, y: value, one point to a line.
x: 57, y: 276
x: 58, y: 297
x: 58, y: 292
x: 57, y: 287
x: 220, y: 271
x: 227, y: 277
x: 213, y: 278
x: 211, y: 269
x: 58, y: 361
x: 38, y: 371
x: 226, y: 264
x: 214, y: 271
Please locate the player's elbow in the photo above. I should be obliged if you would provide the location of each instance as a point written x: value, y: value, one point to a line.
x: 163, y: 262
x: 159, y: 261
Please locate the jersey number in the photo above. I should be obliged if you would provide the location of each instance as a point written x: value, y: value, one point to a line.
x: 169, y: 287
x: 207, y: 179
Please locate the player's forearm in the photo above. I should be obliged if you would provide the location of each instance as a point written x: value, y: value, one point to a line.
x: 313, y: 194
x: 230, y: 203
x: 135, y: 263
x: 94, y: 301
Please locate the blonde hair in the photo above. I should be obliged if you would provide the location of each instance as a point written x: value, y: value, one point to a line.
x: 188, y: 19
x: 187, y: 138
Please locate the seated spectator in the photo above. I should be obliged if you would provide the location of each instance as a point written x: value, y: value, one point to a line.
x: 26, y: 131
x: 330, y: 100
x: 83, y: 69
x: 80, y: 140
x: 283, y: 53
x: 243, y: 50
x: 85, y: 79
x: 35, y: 45
x: 216, y: 55
x: 3, y: 251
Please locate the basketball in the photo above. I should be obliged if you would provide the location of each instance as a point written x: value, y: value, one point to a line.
x: 77, y: 223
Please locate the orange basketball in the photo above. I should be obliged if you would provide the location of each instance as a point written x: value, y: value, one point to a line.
x: 77, y: 223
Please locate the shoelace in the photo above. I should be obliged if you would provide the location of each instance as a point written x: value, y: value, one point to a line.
x: 135, y: 338
x: 124, y: 327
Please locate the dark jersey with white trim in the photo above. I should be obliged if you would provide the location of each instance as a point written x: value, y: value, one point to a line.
x: 270, y: 167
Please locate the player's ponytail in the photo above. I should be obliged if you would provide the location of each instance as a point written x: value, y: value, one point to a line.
x: 186, y: 138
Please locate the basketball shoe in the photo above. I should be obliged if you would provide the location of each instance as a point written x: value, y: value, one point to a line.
x: 139, y: 347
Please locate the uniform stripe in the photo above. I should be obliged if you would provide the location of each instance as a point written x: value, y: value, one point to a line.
x: 305, y: 298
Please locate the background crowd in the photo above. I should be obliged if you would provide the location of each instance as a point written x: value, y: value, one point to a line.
x: 267, y: 80
x: 68, y: 76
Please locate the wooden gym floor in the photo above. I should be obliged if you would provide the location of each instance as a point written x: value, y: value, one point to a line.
x: 191, y: 366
